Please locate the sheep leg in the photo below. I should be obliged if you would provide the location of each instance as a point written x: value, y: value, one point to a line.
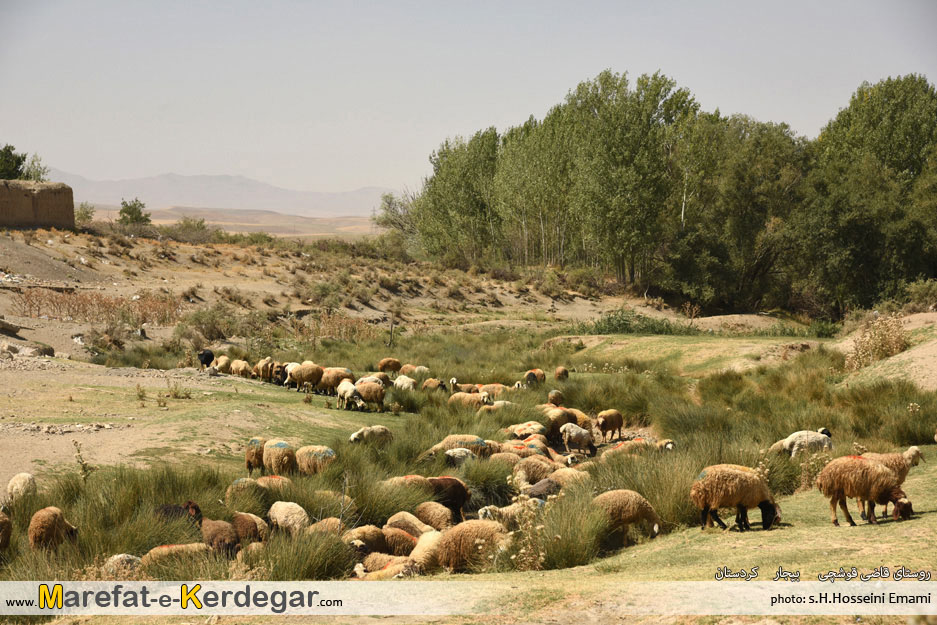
x: 862, y: 514
x: 704, y: 518
x: 833, y: 510
x: 842, y: 504
x: 885, y: 511
x: 739, y: 521
x: 872, y: 518
x: 715, y: 517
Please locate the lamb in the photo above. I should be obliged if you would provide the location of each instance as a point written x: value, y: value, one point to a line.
x: 306, y: 373
x: 389, y: 364
x: 189, y: 510
x: 455, y: 387
x: 399, y: 542
x: 21, y: 485
x: 408, y: 523
x: 205, y: 358
x: 862, y: 478
x: 580, y: 437
x: 469, y: 400
x: 332, y: 377
x: 48, y: 529
x: 561, y: 373
x: 458, y: 456
x: 221, y: 537
x: 608, y: 422
x: 312, y: 459
x: 469, y: 543
x: 404, y: 383
x: 452, y: 493
x: 249, y: 527
x: 279, y: 457
x: 240, y: 368
x: 289, y: 516
x: 378, y: 435
x: 624, y: 507
x: 254, y: 455
x: 535, y: 377
x: 804, y: 441
x: 372, y: 393
x: 509, y: 516
x: 899, y: 463
x: 731, y: 485
x: 432, y: 384
x: 555, y: 398
x: 6, y: 530
x: 222, y: 364
x: 158, y: 555
x: 348, y: 395
x: 434, y: 514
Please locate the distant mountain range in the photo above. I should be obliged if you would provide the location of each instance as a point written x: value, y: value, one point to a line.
x: 222, y: 192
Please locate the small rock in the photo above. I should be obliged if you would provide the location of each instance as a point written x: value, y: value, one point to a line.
x: 121, y: 563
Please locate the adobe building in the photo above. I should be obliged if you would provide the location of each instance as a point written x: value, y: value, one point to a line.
x: 27, y: 204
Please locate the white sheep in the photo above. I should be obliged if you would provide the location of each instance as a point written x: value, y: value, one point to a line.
x: 404, y: 383
x: 378, y: 434
x: 347, y: 392
x: 804, y: 441
x: 581, y: 438
x: 457, y: 457
x: 288, y: 516
x: 509, y: 516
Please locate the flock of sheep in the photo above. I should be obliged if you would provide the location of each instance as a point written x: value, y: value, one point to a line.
x: 437, y: 535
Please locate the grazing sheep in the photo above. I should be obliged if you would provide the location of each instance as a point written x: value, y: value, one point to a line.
x: 432, y: 384
x: 389, y: 364
x: 408, y: 523
x: 495, y: 407
x: 399, y: 542
x: 372, y: 393
x: 222, y: 364
x: 555, y: 398
x: 289, y: 516
x: 328, y: 525
x: 382, y: 377
x: 20, y: 485
x: 421, y: 371
x: 6, y: 530
x: 254, y: 455
x: 369, y: 378
x: 404, y: 383
x: 251, y: 550
x: 371, y: 535
x: 189, y: 510
x: 561, y: 373
x: 263, y: 369
x: 509, y: 516
x: 205, y: 358
x: 608, y: 421
x: 48, y: 528
x: 348, y: 396
x: 506, y: 458
x: 580, y: 437
x: 804, y: 441
x: 476, y: 444
x: 377, y: 435
x: 494, y: 389
x: 221, y: 537
x: 523, y: 430
x: 532, y: 469
x: 426, y: 552
x: 434, y: 514
x: 535, y: 377
x: 241, y: 368
x: 456, y: 387
x: 639, y: 445
x: 458, y: 456
x: 862, y: 478
x: 279, y: 457
x: 413, y: 481
x: 249, y: 527
x: 407, y: 369
x: 242, y: 486
x: 732, y: 486
x: 900, y: 464
x: 624, y: 507
x: 469, y: 400
x: 279, y: 373
x: 274, y: 482
x: 306, y: 373
x: 158, y: 555
x: 469, y: 543
x: 312, y: 459
x: 452, y: 493
x: 332, y: 377
x: 557, y: 418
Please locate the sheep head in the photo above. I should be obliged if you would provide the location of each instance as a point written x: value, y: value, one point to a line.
x: 768, y: 513
x: 486, y: 398
x: 825, y: 432
x: 913, y: 455
x: 902, y: 509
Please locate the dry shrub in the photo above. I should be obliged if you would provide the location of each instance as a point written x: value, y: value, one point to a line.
x: 880, y: 338
x: 147, y: 307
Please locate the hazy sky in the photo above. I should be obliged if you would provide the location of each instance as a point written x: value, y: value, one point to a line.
x: 334, y: 96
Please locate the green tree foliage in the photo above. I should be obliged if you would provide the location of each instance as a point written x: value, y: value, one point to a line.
x: 35, y: 170
x: 131, y: 213
x: 11, y: 163
x: 84, y: 214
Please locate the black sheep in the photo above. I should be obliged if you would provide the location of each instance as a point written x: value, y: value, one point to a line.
x: 189, y: 510
x: 206, y: 357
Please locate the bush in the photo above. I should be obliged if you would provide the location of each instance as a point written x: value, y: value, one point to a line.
x: 922, y: 295
x: 84, y: 214
x: 132, y: 214
x: 881, y: 338
x: 626, y: 321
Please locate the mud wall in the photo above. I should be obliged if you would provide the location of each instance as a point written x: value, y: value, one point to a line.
x: 25, y: 204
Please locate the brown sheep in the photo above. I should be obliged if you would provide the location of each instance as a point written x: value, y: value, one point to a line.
x: 263, y: 369
x: 222, y: 364
x: 241, y: 368
x: 279, y: 457
x: 432, y: 384
x: 900, y: 464
x: 859, y: 477
x: 332, y: 377
x: 608, y: 422
x: 469, y: 543
x: 371, y: 535
x: 561, y: 373
x: 434, y: 514
x: 389, y: 364
x: 157, y: 555
x: 732, y: 486
x: 555, y: 398
x: 399, y: 542
x: 452, y: 493
x: 249, y: 527
x: 408, y: 523
x: 221, y: 537
x: 254, y: 455
x: 624, y: 507
x: 531, y: 470
x: 456, y: 387
x: 48, y: 528
x: 469, y: 400
x: 306, y: 373
x: 372, y: 393
x: 6, y: 529
x: 383, y: 377
x: 535, y: 377
x: 494, y: 389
